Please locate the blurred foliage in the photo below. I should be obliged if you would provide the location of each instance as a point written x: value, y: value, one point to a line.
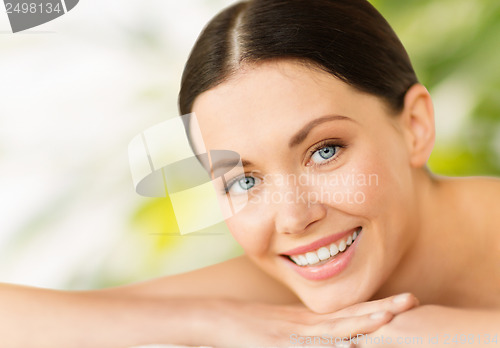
x: 455, y: 48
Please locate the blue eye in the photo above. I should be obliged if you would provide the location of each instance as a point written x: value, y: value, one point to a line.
x: 246, y: 183
x: 242, y: 185
x: 324, y: 153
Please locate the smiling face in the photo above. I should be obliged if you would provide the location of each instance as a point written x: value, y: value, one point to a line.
x: 323, y: 162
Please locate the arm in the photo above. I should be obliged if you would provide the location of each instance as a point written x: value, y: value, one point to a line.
x: 195, y: 308
x: 50, y: 318
x: 438, y: 326
x: 167, y: 309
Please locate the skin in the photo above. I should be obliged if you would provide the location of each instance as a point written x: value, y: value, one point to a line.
x: 431, y: 236
x: 260, y: 109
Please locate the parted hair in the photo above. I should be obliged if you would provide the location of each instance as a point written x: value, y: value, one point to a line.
x: 348, y: 39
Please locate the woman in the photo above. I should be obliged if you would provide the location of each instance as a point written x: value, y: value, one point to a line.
x: 347, y: 235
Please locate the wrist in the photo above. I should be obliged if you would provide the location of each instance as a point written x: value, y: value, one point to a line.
x: 208, y: 318
x: 183, y: 321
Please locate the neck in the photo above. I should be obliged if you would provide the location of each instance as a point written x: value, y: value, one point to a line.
x: 430, y: 265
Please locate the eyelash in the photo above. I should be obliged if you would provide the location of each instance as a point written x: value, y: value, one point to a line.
x: 336, y: 143
x: 233, y: 181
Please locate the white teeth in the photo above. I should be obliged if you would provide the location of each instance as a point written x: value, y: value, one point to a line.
x: 302, y: 260
x: 312, y: 258
x: 323, y: 253
x: 333, y: 249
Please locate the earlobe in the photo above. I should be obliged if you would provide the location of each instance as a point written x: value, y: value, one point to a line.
x: 418, y: 121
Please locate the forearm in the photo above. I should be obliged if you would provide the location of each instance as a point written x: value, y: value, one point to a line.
x: 50, y: 318
x: 123, y: 317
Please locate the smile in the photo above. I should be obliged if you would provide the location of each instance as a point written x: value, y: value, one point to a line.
x: 323, y: 254
x: 324, y: 258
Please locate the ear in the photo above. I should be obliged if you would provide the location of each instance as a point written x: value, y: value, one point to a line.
x: 418, y: 123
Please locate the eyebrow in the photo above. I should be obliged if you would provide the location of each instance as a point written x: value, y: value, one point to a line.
x: 229, y: 163
x: 298, y: 138
x: 302, y: 134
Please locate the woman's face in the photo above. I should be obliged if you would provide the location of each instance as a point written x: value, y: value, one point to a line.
x: 323, y: 162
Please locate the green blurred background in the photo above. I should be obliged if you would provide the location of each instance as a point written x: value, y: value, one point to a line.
x: 454, y: 46
x: 455, y: 49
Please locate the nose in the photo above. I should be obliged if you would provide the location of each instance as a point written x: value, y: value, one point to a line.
x: 295, y: 212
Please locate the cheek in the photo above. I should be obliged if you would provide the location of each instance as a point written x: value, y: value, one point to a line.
x: 357, y: 189
x: 374, y: 187
x: 252, y: 231
x: 380, y: 179
x: 385, y: 182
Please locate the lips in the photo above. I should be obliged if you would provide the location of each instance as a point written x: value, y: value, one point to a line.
x: 325, y: 257
x: 320, y: 242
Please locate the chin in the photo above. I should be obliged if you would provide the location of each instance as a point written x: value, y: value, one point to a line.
x: 357, y: 283
x: 330, y: 299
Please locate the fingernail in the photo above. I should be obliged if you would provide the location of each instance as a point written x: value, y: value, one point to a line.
x: 377, y: 315
x: 401, y: 298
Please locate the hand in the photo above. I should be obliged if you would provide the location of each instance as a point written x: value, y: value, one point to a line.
x: 436, y: 326
x: 233, y: 323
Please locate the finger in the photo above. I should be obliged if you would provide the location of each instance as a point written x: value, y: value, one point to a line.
x: 394, y: 304
x: 351, y: 326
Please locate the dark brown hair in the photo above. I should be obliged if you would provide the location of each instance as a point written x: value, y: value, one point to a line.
x: 347, y: 38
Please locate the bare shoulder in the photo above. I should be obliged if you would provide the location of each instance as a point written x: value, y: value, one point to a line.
x: 484, y: 186
x: 237, y: 278
x: 479, y: 200
x: 482, y: 193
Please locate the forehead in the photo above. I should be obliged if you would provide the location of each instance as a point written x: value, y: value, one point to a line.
x: 271, y: 101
